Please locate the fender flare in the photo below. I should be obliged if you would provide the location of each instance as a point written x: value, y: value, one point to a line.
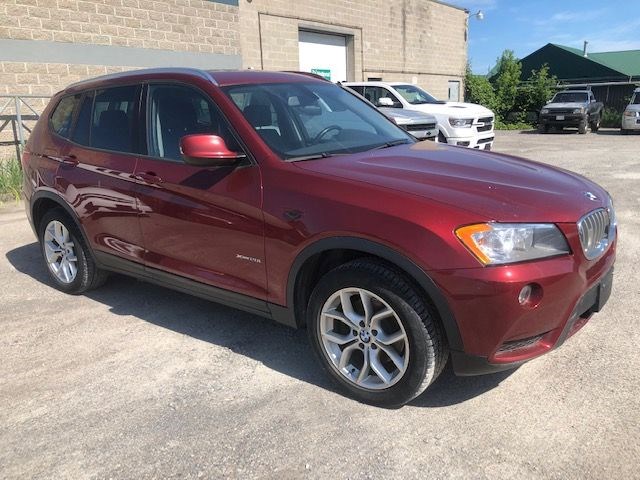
x: 416, y: 273
x: 59, y: 199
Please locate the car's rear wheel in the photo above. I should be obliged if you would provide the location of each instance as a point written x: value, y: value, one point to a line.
x: 595, y: 125
x: 374, y: 334
x: 66, y: 255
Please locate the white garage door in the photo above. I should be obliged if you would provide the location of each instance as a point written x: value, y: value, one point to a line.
x: 323, y: 54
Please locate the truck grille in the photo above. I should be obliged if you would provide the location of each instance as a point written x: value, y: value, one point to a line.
x: 420, y: 126
x: 595, y: 236
x: 561, y: 111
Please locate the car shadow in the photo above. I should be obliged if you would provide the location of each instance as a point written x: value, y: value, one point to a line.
x: 275, y: 346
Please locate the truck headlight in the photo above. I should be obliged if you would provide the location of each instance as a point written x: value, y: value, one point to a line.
x: 578, y: 110
x: 544, y: 111
x: 631, y: 113
x: 461, y: 122
x: 501, y: 243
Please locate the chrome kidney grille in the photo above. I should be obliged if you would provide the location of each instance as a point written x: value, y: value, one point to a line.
x: 596, y: 233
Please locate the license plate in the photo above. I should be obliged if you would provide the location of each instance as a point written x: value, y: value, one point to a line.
x: 560, y: 117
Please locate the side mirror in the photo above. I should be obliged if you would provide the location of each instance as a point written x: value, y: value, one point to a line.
x: 204, y: 150
x: 385, y: 102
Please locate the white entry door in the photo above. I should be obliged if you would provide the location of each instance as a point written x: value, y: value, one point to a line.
x: 323, y: 54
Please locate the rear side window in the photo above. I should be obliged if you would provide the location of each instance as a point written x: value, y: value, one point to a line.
x: 81, y: 132
x: 62, y: 117
x: 113, y: 121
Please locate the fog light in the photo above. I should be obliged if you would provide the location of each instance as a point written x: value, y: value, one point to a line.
x: 525, y: 294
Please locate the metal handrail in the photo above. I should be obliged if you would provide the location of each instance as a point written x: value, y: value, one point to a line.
x: 17, y: 119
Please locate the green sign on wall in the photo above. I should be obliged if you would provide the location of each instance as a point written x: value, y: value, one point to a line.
x: 323, y: 72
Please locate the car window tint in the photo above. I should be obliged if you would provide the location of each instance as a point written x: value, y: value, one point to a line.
x: 374, y: 94
x: 176, y: 111
x: 83, y: 122
x: 358, y: 89
x: 62, y: 117
x: 113, y: 119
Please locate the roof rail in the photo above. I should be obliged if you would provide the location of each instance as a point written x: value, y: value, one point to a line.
x: 111, y: 76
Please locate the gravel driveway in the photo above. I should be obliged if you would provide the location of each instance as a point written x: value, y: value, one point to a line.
x: 136, y: 381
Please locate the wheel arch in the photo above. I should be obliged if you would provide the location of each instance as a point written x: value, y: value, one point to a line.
x: 310, y: 261
x: 44, y: 200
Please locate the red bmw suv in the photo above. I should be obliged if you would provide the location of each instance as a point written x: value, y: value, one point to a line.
x: 289, y: 197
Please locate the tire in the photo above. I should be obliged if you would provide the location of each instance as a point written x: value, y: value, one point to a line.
x: 442, y: 138
x: 543, y: 128
x: 420, y: 350
x: 60, y: 239
x: 595, y: 125
x: 582, y: 128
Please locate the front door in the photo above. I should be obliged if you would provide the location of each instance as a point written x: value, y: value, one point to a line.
x: 203, y: 223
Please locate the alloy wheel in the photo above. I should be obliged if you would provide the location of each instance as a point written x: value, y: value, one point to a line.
x: 364, y: 339
x: 60, y: 252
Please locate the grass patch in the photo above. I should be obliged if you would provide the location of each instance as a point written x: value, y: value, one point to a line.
x: 10, y: 178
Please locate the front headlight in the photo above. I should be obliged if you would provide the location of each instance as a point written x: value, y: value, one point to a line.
x: 544, y: 111
x: 461, y: 122
x: 631, y: 113
x: 500, y: 243
x: 578, y: 110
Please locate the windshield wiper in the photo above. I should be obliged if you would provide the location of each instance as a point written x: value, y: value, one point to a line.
x: 392, y: 143
x: 315, y: 156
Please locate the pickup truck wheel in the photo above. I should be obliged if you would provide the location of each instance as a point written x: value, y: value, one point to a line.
x: 441, y: 138
x: 374, y: 334
x: 582, y: 128
x: 66, y: 255
x: 543, y: 128
x: 595, y: 125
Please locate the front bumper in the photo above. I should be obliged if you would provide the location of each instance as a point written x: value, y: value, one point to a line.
x: 630, y: 123
x: 484, y: 142
x: 497, y: 332
x: 562, y: 120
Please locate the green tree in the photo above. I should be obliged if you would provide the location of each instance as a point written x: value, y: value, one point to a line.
x: 505, y: 82
x: 478, y: 89
x: 537, y: 90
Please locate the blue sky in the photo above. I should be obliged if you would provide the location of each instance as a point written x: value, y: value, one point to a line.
x: 524, y: 26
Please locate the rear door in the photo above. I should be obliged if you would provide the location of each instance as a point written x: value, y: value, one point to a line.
x: 97, y: 170
x: 203, y: 223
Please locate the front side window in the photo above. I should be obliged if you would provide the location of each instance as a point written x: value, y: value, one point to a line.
x: 374, y: 94
x: 175, y: 111
x: 636, y: 99
x: 62, y: 117
x: 414, y: 95
x: 307, y: 119
x: 113, y: 121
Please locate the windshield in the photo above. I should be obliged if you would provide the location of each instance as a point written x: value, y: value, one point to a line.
x: 571, y: 97
x: 304, y: 120
x: 414, y: 95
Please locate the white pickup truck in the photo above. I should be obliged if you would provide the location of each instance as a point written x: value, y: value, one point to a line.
x: 463, y: 124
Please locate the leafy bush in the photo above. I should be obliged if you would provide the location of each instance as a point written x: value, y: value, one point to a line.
x: 10, y: 178
x: 611, y: 118
x: 499, y: 125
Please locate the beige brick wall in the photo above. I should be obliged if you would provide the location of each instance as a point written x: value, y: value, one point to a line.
x: 182, y: 25
x: 398, y: 40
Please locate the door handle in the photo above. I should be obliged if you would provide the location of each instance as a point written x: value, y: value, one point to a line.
x: 71, y: 160
x: 149, y: 177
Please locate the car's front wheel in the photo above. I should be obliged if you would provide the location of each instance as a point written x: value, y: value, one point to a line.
x: 66, y: 255
x: 376, y: 336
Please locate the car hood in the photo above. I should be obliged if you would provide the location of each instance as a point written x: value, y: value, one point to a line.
x: 565, y: 105
x: 403, y: 115
x: 454, y: 109
x: 634, y: 107
x: 497, y: 187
